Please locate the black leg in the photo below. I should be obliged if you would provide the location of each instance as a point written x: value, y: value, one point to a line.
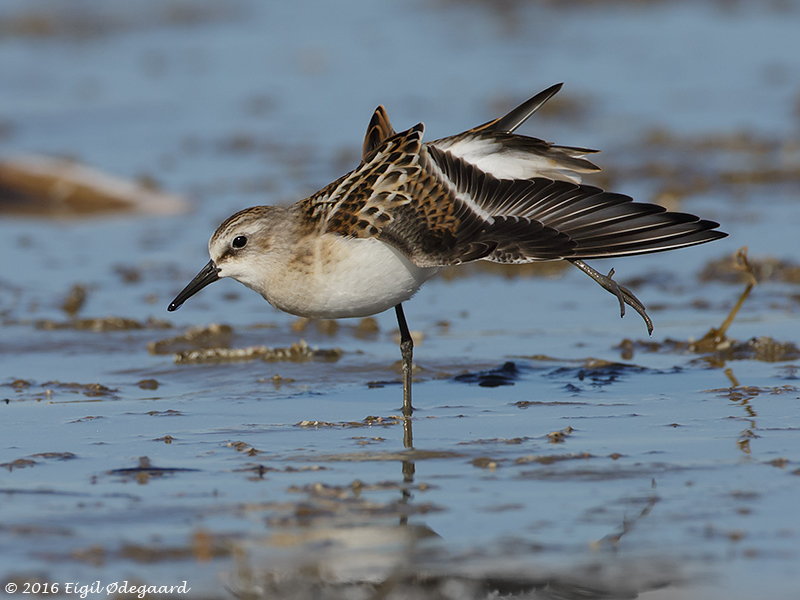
x: 406, y: 350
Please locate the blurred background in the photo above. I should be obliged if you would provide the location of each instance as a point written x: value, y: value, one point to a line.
x: 606, y: 465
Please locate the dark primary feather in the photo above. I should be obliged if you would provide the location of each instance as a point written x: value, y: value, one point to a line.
x: 515, y: 118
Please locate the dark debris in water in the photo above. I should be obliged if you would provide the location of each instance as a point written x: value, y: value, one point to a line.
x: 297, y: 352
x: 765, y: 349
x: 91, y: 390
x: 556, y: 437
x: 50, y: 390
x: 507, y: 441
x: 244, y: 447
x: 529, y: 403
x: 548, y: 459
x: 164, y: 413
x: 145, y: 471
x: 504, y: 375
x: 367, y: 422
x: 599, y: 372
x: 21, y: 463
x: 261, y: 469
x: 744, y: 393
x: 87, y: 419
x: 363, y: 440
x: 102, y: 324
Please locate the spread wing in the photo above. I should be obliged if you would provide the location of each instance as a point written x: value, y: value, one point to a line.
x: 597, y: 223
x: 490, y: 194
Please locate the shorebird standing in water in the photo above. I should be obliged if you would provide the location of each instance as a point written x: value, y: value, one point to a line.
x: 368, y: 241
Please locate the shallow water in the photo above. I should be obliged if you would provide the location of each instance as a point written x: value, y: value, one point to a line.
x: 673, y: 475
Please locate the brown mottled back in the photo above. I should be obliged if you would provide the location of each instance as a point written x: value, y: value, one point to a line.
x: 398, y: 196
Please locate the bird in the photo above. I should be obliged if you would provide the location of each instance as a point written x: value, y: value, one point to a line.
x: 367, y: 242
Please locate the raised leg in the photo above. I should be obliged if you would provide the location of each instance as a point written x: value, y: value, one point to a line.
x: 623, y: 294
x: 406, y: 351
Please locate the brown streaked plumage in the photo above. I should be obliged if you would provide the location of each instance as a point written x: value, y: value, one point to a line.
x: 368, y: 241
x: 378, y: 130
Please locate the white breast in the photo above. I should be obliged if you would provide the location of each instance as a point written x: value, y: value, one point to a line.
x: 345, y: 277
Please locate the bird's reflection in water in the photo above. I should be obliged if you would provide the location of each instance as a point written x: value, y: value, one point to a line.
x: 361, y: 554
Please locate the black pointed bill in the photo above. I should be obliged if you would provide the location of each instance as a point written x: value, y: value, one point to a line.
x: 209, y: 274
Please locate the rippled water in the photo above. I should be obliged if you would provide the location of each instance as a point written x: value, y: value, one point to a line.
x: 589, y: 473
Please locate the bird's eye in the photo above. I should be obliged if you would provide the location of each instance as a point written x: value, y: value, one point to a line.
x: 239, y: 242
